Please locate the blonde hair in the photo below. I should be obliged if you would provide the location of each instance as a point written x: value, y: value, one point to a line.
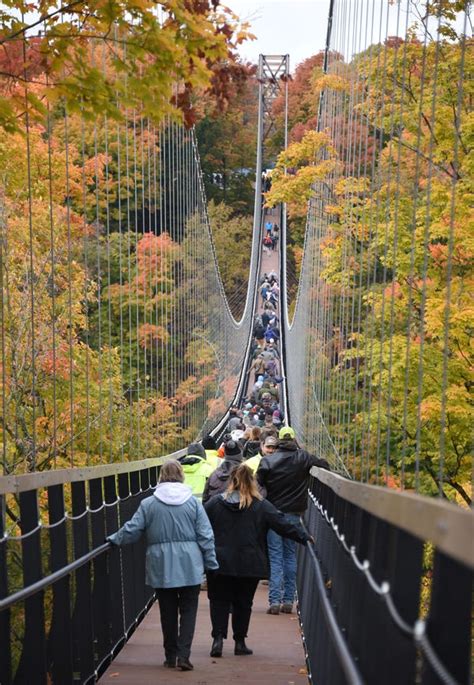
x: 171, y: 472
x: 243, y: 481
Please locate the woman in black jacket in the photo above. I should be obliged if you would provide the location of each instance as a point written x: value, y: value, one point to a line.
x: 218, y: 480
x: 241, y: 519
x: 252, y: 446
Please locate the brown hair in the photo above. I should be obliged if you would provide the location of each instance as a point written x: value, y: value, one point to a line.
x: 243, y: 481
x: 255, y: 433
x: 266, y: 432
x: 171, y: 472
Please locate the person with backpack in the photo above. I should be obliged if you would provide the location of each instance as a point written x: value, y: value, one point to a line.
x: 218, y: 480
x: 258, y: 367
x: 252, y: 445
x: 271, y: 368
x: 258, y: 328
x: 180, y: 547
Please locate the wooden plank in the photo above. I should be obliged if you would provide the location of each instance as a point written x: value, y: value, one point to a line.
x: 278, y: 657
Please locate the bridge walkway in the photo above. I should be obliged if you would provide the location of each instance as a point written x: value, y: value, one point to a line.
x: 278, y: 657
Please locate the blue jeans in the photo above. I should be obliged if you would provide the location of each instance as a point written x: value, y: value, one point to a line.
x: 282, y: 555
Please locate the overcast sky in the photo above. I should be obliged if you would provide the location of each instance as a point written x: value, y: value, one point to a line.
x: 296, y: 27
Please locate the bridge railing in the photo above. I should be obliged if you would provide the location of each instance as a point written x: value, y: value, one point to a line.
x: 67, y: 602
x: 385, y: 596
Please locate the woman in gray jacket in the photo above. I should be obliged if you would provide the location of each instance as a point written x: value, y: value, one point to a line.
x: 180, y: 547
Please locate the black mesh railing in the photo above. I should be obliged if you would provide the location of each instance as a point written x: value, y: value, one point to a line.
x: 379, y: 602
x: 70, y: 601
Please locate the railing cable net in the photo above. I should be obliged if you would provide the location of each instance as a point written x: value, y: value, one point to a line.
x: 378, y: 341
x: 117, y: 338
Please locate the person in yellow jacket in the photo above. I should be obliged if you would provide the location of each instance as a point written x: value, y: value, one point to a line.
x: 210, y: 447
x: 267, y: 446
x: 196, y: 468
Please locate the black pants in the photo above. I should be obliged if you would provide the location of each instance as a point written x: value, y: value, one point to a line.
x: 174, y: 601
x: 228, y: 593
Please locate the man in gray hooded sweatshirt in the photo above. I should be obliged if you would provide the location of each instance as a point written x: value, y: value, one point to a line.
x: 180, y: 547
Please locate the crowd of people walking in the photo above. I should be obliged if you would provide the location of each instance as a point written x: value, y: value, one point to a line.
x: 230, y: 510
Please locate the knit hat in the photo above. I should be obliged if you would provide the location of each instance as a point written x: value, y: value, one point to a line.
x: 196, y: 450
x: 237, y: 434
x: 286, y: 432
x: 231, y: 448
x: 209, y: 443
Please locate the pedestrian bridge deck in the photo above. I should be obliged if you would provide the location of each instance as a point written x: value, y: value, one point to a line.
x: 278, y: 657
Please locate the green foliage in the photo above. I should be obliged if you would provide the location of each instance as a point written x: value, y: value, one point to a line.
x: 227, y: 146
x: 152, y: 57
x: 232, y: 236
x: 397, y: 254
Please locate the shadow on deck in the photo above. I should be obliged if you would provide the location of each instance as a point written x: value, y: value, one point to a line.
x: 278, y: 657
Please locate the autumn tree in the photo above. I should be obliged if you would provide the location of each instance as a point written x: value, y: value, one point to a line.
x: 154, y: 57
x: 397, y: 261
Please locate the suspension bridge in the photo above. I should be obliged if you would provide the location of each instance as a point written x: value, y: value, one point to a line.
x: 120, y: 345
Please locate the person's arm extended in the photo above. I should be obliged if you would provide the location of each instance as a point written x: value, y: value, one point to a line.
x: 316, y: 461
x: 262, y: 473
x: 205, y: 493
x: 205, y: 539
x: 276, y: 521
x: 130, y: 531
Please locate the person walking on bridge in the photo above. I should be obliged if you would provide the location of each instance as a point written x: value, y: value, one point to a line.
x: 241, y: 520
x: 197, y: 468
x: 285, y: 476
x: 219, y: 479
x: 180, y: 547
x: 268, y: 445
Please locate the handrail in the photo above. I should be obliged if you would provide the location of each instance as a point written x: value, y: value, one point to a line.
x: 219, y: 427
x: 449, y: 527
x: 44, y: 479
x: 345, y: 659
x: 45, y: 582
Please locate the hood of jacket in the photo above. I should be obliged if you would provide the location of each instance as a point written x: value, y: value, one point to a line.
x: 222, y: 472
x: 196, y: 450
x: 191, y: 463
x: 287, y: 446
x: 173, y: 493
x: 232, y: 501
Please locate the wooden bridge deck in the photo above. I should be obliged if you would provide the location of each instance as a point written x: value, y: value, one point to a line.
x: 278, y: 657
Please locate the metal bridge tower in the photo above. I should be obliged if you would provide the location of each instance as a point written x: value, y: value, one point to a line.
x: 273, y: 76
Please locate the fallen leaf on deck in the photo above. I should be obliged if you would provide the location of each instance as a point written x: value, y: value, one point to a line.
x: 303, y: 671
x: 114, y: 675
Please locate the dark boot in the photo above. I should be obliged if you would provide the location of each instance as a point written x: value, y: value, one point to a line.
x: 184, y: 664
x: 217, y: 646
x: 241, y: 648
